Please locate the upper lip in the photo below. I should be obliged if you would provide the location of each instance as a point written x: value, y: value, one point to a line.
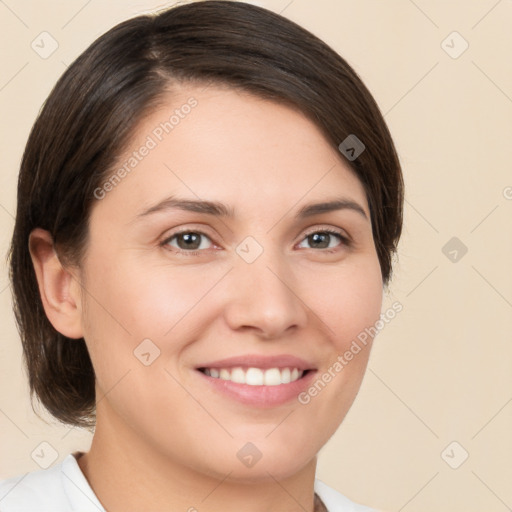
x: 259, y: 361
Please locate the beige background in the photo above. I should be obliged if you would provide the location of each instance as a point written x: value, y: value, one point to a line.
x: 441, y: 370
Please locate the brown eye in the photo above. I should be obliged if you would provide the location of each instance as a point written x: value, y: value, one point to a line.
x: 186, y: 241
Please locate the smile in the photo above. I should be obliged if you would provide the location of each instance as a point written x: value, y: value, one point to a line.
x: 255, y: 376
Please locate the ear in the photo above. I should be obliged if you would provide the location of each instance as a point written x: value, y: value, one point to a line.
x: 59, y: 289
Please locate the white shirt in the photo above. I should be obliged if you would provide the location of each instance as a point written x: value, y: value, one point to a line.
x: 64, y: 488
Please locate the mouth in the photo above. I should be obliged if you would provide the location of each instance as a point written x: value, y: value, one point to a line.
x: 258, y: 381
x: 253, y: 376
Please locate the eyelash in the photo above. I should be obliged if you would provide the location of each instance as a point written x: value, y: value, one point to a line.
x: 344, y: 240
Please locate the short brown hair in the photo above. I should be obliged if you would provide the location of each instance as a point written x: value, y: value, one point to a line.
x: 94, y: 108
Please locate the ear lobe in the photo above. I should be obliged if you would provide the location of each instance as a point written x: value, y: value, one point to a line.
x: 58, y: 288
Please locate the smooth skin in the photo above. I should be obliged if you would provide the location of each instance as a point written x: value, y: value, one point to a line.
x: 165, y: 439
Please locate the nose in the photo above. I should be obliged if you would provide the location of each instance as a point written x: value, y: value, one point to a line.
x: 264, y: 297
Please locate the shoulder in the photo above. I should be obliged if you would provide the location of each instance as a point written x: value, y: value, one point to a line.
x: 33, y: 491
x: 336, y: 502
x: 59, y: 488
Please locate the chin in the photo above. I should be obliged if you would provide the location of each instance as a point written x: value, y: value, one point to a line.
x: 269, y: 470
x: 269, y: 459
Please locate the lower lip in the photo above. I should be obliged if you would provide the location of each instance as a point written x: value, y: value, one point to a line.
x: 261, y: 396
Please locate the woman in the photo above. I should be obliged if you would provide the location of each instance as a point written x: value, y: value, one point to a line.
x: 208, y: 206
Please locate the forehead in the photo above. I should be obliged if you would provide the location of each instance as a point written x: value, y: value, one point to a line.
x: 230, y: 146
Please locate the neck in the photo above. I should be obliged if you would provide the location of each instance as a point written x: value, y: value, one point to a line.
x: 129, y: 474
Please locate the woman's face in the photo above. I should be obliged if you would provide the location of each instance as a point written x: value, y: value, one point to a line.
x: 207, y: 254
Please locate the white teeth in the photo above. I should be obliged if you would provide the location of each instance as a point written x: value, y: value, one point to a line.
x: 256, y: 376
x: 238, y: 375
x: 272, y: 377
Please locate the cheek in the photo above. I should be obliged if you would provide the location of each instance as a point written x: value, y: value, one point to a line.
x: 137, y: 301
x: 130, y: 303
x: 348, y: 301
x: 350, y: 304
x: 350, y: 309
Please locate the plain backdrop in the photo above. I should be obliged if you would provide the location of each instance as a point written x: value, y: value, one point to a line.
x: 431, y: 427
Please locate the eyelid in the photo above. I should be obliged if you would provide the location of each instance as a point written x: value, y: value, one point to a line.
x: 319, y: 228
x: 203, y: 229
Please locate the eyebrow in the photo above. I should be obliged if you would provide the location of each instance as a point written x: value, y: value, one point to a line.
x: 221, y: 210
